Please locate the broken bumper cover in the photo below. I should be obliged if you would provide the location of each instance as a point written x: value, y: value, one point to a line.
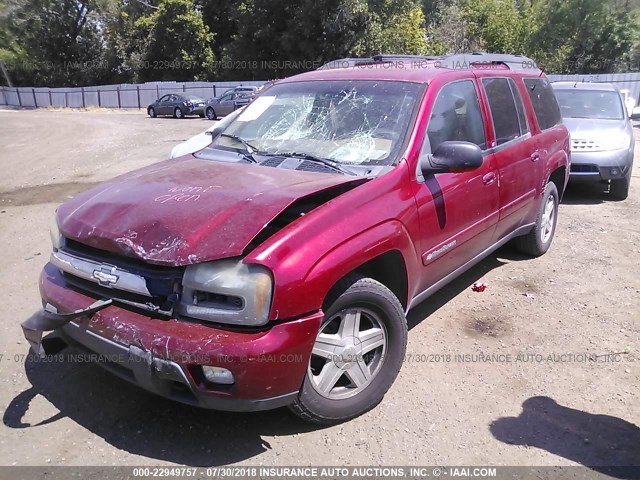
x: 166, y: 356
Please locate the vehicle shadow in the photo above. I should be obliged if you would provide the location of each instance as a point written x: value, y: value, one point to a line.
x: 142, y: 423
x: 586, y: 194
x: 463, y: 282
x: 603, y: 443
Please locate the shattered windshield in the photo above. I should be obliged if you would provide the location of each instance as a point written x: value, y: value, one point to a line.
x: 355, y: 123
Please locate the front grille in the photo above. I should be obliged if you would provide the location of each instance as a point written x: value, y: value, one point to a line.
x: 582, y: 145
x: 160, y: 305
x: 162, y: 283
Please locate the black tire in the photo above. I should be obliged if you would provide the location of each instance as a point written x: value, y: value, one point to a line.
x: 152, y: 112
x: 178, y: 113
x: 534, y: 243
x: 352, y: 294
x: 619, y: 189
x: 211, y: 114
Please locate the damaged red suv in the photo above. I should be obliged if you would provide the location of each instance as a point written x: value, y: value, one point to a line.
x: 275, y: 267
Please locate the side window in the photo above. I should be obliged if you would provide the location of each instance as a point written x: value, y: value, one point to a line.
x: 164, y: 98
x: 522, y: 117
x: 506, y: 123
x: 456, y: 116
x: 544, y: 102
x: 227, y: 97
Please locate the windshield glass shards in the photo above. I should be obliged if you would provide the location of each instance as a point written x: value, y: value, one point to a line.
x: 348, y: 123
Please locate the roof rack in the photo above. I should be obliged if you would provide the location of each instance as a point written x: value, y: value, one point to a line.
x: 375, y: 59
x: 455, y: 61
x: 467, y: 60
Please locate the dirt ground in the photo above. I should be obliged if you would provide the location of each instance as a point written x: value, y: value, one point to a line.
x: 494, y: 378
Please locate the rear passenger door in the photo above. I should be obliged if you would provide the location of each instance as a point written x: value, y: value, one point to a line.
x: 458, y: 211
x: 515, y: 154
x: 550, y: 134
x: 162, y: 105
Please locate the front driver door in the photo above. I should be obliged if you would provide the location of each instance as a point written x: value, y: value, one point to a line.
x: 162, y: 105
x: 226, y: 104
x: 458, y: 211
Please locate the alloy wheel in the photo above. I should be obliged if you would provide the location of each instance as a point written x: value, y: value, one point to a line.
x: 548, y: 218
x: 348, y: 353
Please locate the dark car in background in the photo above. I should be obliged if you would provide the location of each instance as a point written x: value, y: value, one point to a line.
x: 602, y: 143
x: 179, y: 105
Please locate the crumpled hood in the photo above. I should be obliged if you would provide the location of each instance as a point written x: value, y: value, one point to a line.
x: 186, y: 210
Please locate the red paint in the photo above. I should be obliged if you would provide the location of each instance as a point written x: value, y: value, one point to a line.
x: 265, y: 364
x: 188, y: 211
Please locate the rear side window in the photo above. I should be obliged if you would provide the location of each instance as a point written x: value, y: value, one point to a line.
x: 522, y: 117
x: 504, y: 113
x: 544, y: 102
x: 456, y: 116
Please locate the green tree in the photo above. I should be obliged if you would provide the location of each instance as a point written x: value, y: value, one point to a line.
x: 174, y: 43
x: 587, y: 36
x: 220, y: 16
x: 276, y: 38
x: 397, y: 26
x: 497, y: 26
x: 53, y: 42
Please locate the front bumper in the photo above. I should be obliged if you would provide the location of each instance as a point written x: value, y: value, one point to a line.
x: 601, y: 166
x: 166, y: 356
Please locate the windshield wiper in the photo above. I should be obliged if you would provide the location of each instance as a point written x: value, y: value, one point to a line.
x: 250, y: 148
x: 312, y: 158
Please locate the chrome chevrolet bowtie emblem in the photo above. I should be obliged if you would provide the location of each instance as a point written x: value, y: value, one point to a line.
x: 106, y: 276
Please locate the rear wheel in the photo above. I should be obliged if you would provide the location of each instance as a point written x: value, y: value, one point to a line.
x: 178, y: 113
x: 211, y: 114
x: 538, y: 241
x: 357, y: 354
x: 152, y: 112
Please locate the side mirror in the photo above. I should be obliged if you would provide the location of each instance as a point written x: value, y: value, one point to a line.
x: 452, y: 157
x: 635, y: 114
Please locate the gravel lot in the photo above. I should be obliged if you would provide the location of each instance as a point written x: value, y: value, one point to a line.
x: 478, y: 388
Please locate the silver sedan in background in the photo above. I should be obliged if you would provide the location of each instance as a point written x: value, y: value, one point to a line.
x: 229, y: 101
x: 602, y: 140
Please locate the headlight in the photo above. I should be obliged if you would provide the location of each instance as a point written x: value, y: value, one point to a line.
x: 614, y: 142
x: 227, y: 291
x: 56, y: 237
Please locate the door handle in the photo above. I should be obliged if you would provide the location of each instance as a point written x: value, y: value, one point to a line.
x: 489, y: 178
x: 535, y: 156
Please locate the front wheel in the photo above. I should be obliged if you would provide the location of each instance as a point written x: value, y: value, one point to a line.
x: 357, y: 354
x: 538, y: 241
x: 178, y: 113
x: 152, y: 112
x: 211, y: 114
x: 619, y: 189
